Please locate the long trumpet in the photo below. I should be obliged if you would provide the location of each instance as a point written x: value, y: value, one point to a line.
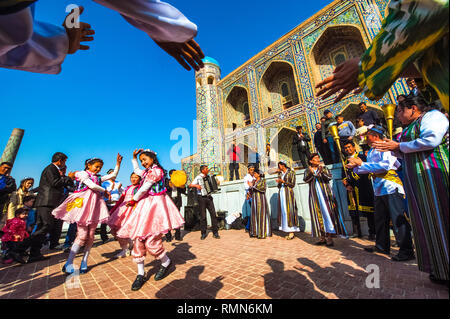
x: 389, y: 114
x: 335, y: 134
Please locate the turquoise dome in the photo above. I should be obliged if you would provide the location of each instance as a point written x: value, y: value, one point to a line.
x: 211, y: 60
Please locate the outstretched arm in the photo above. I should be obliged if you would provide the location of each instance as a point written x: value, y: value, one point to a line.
x: 33, y: 46
x: 165, y: 24
x: 116, y: 169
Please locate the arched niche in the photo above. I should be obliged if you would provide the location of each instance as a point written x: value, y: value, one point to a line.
x: 336, y: 45
x: 237, y: 109
x: 278, y: 88
x: 282, y: 144
x: 351, y: 112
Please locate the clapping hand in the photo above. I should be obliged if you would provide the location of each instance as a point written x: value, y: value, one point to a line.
x: 77, y: 35
x: 188, y: 53
x: 386, y: 145
x: 353, y: 162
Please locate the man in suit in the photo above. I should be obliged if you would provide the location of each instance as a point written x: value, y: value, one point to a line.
x: 301, y: 141
x: 318, y: 143
x: 50, y: 196
x: 174, y: 194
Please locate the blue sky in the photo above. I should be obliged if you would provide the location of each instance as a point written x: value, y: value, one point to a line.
x: 125, y: 92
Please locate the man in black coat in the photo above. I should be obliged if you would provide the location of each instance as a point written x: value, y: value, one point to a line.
x: 175, y: 194
x: 51, y: 195
x: 301, y: 141
x: 360, y: 193
x: 321, y: 148
x: 7, y: 185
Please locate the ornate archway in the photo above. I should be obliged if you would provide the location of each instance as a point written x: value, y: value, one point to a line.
x: 237, y: 109
x: 336, y: 45
x: 278, y: 88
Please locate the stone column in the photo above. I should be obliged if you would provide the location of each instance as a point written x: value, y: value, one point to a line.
x: 12, y: 148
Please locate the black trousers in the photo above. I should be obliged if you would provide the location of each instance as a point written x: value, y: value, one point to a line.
x: 103, y: 232
x: 206, y: 202
x: 357, y: 224
x: 391, y: 207
x: 234, y: 170
x: 45, y: 224
x: 177, y: 231
x: 303, y: 154
x: 55, y: 233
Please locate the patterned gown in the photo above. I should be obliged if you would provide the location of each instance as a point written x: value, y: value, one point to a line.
x: 414, y: 31
x: 287, y: 206
x: 260, y: 225
x: 325, y: 217
x: 426, y: 187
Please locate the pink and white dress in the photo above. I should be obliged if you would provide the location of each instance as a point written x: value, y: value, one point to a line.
x: 86, y: 205
x: 121, y: 210
x: 155, y: 213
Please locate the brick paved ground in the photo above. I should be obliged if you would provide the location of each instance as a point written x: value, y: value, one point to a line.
x: 232, y: 267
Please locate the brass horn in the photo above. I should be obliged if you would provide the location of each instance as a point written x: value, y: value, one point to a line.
x: 335, y: 134
x: 389, y: 114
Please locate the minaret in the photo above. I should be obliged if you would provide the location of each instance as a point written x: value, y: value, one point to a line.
x: 209, y: 139
x: 12, y: 148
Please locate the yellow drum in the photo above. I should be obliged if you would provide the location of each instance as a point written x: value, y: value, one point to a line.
x: 179, y: 178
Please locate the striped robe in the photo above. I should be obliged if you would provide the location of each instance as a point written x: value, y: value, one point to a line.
x: 323, y: 177
x: 426, y: 186
x: 291, y: 204
x: 413, y: 32
x: 260, y: 225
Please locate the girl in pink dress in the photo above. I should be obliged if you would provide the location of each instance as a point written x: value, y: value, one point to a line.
x: 120, y: 211
x: 87, y: 208
x: 154, y: 215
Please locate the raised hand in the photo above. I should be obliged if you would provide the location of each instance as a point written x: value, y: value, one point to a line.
x: 188, y: 53
x: 137, y: 152
x: 119, y: 159
x: 344, y: 79
x: 77, y: 35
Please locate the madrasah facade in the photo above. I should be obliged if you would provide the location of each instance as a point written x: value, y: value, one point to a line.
x: 263, y: 100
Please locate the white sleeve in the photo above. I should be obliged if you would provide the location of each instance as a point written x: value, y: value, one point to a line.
x: 142, y: 191
x: 30, y: 45
x: 136, y: 168
x: 432, y: 130
x: 112, y: 175
x: 83, y: 177
x: 161, y: 21
x: 195, y: 181
x: 387, y: 162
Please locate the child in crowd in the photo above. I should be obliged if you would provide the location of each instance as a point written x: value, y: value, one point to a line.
x: 14, y: 232
x: 121, y: 211
x: 154, y: 215
x: 87, y: 208
x: 28, y: 203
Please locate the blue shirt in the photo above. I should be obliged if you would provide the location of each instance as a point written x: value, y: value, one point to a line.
x: 346, y: 129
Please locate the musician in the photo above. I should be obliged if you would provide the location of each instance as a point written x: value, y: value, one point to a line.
x: 205, y: 201
x: 360, y: 193
x: 174, y: 194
